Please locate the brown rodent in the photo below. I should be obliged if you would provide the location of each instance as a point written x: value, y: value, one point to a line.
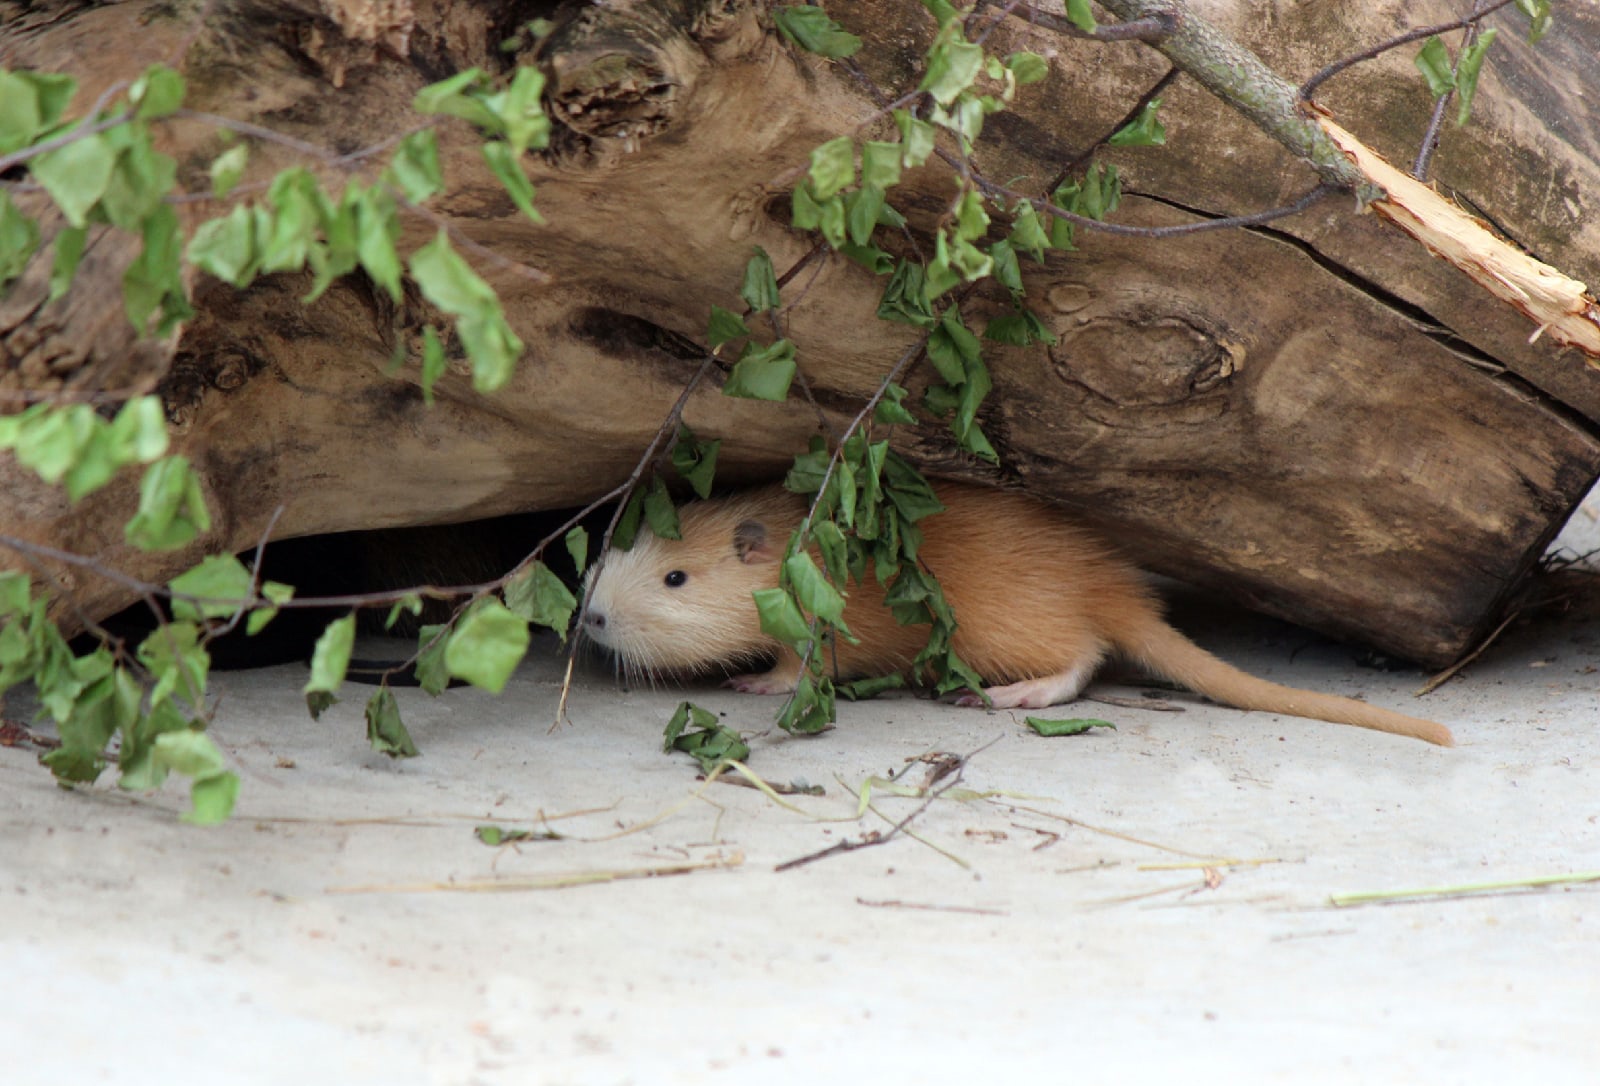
x: 1039, y: 602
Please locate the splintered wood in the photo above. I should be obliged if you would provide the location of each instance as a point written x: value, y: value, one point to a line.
x: 1561, y: 306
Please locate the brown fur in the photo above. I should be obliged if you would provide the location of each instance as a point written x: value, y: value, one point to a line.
x: 1035, y: 597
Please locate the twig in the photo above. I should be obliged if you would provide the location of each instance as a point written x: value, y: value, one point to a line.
x: 875, y: 838
x: 1309, y: 87
x: 975, y: 910
x: 1432, y: 893
x: 545, y: 882
x: 1430, y: 138
x: 1128, y: 118
x: 1154, y: 705
x: 1450, y: 672
x: 668, y: 425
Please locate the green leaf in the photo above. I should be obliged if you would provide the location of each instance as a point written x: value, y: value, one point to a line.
x: 1028, y: 233
x: 139, y: 183
x: 952, y: 347
x: 414, y: 166
x: 1079, y: 726
x: 695, y: 461
x: 1467, y: 73
x: 874, y: 259
x: 1007, y: 272
x: 1537, y: 11
x: 725, y: 325
x: 812, y: 30
x: 811, y: 709
x: 1081, y: 15
x: 780, y: 617
x: 319, y: 702
x: 331, y: 658
x: 1433, y: 61
x: 211, y: 799
x: 1027, y: 67
x: 172, y: 509
x: 449, y: 283
x: 51, y: 442
x: 451, y: 98
x: 904, y: 297
x: 861, y: 213
x: 175, y: 655
x: 891, y: 410
x: 434, y: 365
x: 69, y: 251
x: 1145, y: 130
x: 760, y: 287
x: 227, y: 247
x: 279, y: 594
x: 488, y: 644
x: 409, y: 604
x: 189, y: 752
x: 628, y: 523
x: 762, y: 373
x: 432, y: 675
x: 506, y: 164
x: 76, y: 175
x: 972, y: 219
x: 14, y: 594
x: 831, y: 220
x: 501, y: 835
x: 72, y: 766
x: 519, y: 111
x: 805, y: 212
x: 227, y: 168
x: 377, y: 227
x: 659, y: 512
x: 538, y: 595
x: 952, y: 67
x: 19, y: 238
x: 916, y: 138
x: 812, y: 590
x: 154, y: 280
x: 577, y: 541
x: 220, y: 582
x: 710, y: 744
x: 880, y: 164
x: 832, y: 167
x: 862, y: 689
x: 385, y: 731
x: 20, y: 121
x: 157, y: 93
x: 683, y: 716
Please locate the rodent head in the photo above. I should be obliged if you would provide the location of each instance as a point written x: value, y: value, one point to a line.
x: 683, y: 605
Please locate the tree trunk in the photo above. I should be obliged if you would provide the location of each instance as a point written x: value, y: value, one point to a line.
x: 1316, y: 415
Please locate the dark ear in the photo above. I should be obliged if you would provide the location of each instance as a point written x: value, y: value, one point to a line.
x: 750, y: 542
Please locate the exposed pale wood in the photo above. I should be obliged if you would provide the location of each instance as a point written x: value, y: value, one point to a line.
x: 1318, y: 417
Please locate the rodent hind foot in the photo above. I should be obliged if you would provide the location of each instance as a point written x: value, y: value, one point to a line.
x: 769, y: 682
x: 1034, y: 693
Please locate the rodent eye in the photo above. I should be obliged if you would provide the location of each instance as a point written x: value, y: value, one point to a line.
x: 676, y: 578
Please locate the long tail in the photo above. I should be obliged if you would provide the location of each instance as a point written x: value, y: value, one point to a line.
x: 1160, y: 649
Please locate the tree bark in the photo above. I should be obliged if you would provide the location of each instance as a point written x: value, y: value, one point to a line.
x: 1316, y: 416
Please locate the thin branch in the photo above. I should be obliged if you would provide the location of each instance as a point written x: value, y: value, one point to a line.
x: 1045, y: 207
x: 1082, y: 160
x: 1243, y: 81
x: 871, y: 839
x: 1309, y: 87
x: 1430, y: 138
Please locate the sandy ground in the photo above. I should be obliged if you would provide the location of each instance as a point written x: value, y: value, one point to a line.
x: 1148, y: 905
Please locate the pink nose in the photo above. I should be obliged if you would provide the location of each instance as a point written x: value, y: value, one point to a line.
x: 594, y: 619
